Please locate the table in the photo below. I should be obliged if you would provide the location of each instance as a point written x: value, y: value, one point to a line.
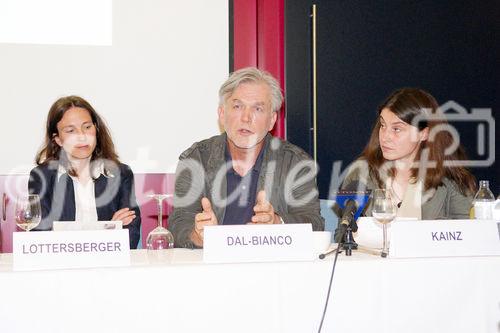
x: 176, y: 292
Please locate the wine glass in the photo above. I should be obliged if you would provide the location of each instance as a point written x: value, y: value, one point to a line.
x: 160, y: 238
x: 28, y: 212
x: 384, y: 211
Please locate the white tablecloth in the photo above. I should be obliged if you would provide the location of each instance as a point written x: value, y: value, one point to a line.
x: 179, y: 293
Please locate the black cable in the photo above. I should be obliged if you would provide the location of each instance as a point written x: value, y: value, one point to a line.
x: 329, y: 288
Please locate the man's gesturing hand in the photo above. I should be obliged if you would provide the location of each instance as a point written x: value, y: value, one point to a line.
x: 206, y: 217
x: 264, y: 211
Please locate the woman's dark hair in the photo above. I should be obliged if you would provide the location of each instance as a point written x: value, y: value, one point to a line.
x: 51, y: 151
x: 418, y: 108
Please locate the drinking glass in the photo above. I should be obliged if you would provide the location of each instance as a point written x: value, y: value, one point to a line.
x: 384, y: 211
x: 28, y: 212
x: 160, y: 238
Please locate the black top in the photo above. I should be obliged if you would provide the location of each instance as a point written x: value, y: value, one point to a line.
x: 57, y: 196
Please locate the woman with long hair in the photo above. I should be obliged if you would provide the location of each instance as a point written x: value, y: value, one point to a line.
x: 79, y: 176
x: 414, y: 152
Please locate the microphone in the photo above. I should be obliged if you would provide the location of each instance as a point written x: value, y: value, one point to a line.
x: 347, y: 223
x: 347, y: 226
x: 353, y: 203
x: 346, y: 220
x: 350, y: 208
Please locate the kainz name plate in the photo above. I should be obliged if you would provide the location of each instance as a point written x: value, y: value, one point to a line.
x: 444, y: 238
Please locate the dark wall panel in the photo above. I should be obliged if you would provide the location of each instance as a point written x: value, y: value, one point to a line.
x: 367, y: 49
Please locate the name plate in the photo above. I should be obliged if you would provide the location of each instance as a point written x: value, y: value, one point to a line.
x: 36, y: 250
x: 258, y: 243
x: 444, y: 238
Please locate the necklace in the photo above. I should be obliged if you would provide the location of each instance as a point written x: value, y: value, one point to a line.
x: 400, y: 201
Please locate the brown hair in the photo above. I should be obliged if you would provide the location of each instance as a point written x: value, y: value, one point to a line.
x: 418, y: 108
x: 51, y: 151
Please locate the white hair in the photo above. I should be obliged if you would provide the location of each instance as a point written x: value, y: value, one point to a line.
x: 253, y: 75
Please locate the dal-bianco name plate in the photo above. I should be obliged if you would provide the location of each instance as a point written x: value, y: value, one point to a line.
x: 258, y: 243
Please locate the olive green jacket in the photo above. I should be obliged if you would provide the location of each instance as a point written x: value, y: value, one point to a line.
x: 444, y: 202
x: 208, y: 179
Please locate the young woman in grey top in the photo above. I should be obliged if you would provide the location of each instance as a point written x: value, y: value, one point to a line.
x: 414, y: 152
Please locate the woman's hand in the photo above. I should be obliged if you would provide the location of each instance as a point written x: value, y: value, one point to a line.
x: 125, y: 215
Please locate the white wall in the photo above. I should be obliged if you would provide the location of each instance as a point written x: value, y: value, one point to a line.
x: 156, y: 84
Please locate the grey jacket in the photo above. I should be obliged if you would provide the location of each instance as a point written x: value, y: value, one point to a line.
x: 202, y: 172
x: 447, y: 202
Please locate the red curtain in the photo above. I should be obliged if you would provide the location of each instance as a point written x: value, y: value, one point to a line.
x: 259, y: 41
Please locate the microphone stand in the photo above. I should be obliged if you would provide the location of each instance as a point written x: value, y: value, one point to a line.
x: 346, y: 241
x: 349, y: 244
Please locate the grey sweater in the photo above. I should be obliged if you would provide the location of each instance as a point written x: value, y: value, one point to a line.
x: 444, y: 202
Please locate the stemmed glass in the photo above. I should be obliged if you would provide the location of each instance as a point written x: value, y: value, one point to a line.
x: 160, y: 238
x: 384, y: 211
x: 28, y: 212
